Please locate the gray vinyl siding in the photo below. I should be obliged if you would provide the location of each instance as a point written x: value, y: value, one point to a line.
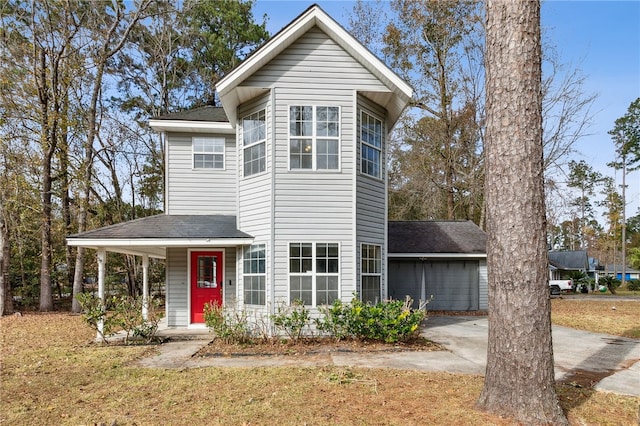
x: 199, y: 191
x: 230, y: 277
x: 177, y: 284
x: 177, y: 288
x: 483, y: 284
x: 317, y: 63
x: 255, y: 199
x: 308, y: 206
x: 371, y: 203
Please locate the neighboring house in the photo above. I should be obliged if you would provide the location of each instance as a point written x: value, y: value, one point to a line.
x: 444, y: 260
x: 280, y: 194
x: 616, y: 271
x: 563, y: 263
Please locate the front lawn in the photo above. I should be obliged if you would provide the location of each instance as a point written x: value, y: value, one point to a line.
x: 617, y: 317
x: 53, y: 373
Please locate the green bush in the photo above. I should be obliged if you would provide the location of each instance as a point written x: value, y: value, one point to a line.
x: 230, y: 327
x: 292, y: 319
x: 610, y: 282
x: 391, y: 321
x: 633, y: 285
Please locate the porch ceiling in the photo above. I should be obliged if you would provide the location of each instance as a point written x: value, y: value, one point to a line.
x: 153, y: 235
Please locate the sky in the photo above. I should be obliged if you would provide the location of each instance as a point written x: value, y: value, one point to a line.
x: 600, y: 38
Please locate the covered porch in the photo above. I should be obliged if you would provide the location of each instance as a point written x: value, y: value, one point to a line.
x: 155, y: 237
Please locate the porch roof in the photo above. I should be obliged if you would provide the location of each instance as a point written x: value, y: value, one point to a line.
x: 154, y: 234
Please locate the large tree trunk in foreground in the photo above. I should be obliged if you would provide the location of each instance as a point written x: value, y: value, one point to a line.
x: 519, y: 381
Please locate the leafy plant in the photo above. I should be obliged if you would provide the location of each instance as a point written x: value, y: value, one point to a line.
x: 292, y: 319
x: 611, y: 282
x: 230, y: 327
x: 95, y: 312
x: 391, y: 321
x: 128, y: 315
x: 633, y: 285
x: 125, y: 313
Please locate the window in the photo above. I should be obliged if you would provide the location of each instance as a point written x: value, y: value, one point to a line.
x: 371, y: 272
x: 254, y: 136
x: 370, y: 145
x: 208, y: 153
x: 314, y: 138
x: 254, y: 273
x: 313, y: 273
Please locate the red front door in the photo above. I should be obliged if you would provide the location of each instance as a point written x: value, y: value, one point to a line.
x: 206, y: 282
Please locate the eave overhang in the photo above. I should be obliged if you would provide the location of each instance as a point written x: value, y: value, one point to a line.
x: 191, y: 126
x: 427, y: 256
x: 153, y: 247
x: 232, y: 94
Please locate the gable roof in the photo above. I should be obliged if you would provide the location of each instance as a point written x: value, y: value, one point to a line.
x: 206, y: 118
x: 152, y: 235
x: 569, y: 260
x: 413, y: 238
x: 232, y: 94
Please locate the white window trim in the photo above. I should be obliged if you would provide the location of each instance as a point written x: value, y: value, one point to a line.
x: 249, y: 274
x: 313, y: 273
x: 252, y: 144
x: 361, y: 143
x: 314, y: 138
x: 194, y: 152
x: 370, y: 274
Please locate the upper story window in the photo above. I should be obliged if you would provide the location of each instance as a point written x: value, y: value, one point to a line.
x: 314, y: 138
x: 254, y: 141
x: 370, y: 145
x: 208, y: 153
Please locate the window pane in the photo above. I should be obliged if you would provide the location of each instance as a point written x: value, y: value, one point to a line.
x: 371, y: 289
x: 254, y: 278
x: 254, y: 159
x: 301, y: 153
x: 254, y: 128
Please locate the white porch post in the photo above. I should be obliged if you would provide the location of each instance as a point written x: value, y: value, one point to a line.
x: 145, y: 287
x: 102, y: 258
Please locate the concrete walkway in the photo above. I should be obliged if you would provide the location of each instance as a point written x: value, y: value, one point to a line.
x: 612, y: 361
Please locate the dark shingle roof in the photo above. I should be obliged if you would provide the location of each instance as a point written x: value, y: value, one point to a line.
x: 169, y: 226
x: 205, y: 113
x: 436, y: 237
x: 576, y: 259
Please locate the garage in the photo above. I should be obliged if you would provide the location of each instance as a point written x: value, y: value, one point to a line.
x: 442, y: 260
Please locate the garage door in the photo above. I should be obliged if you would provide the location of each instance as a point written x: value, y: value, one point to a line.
x: 453, y: 284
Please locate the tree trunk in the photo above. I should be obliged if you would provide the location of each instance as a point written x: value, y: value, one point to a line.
x: 6, y: 297
x: 519, y: 380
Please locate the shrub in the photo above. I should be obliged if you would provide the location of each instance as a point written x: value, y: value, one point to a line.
x: 292, y: 319
x: 611, y: 282
x: 128, y: 315
x: 230, y: 327
x: 95, y: 310
x: 125, y: 313
x: 391, y: 321
x: 336, y: 319
x: 633, y: 285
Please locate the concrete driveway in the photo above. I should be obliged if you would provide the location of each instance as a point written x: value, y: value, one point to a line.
x: 612, y: 361
x: 581, y: 357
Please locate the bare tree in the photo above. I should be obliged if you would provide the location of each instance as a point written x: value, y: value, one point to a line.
x: 519, y: 380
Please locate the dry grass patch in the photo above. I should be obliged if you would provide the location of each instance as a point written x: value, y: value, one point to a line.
x: 616, y: 317
x: 52, y: 373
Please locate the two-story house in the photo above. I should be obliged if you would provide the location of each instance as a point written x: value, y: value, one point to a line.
x: 280, y: 194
